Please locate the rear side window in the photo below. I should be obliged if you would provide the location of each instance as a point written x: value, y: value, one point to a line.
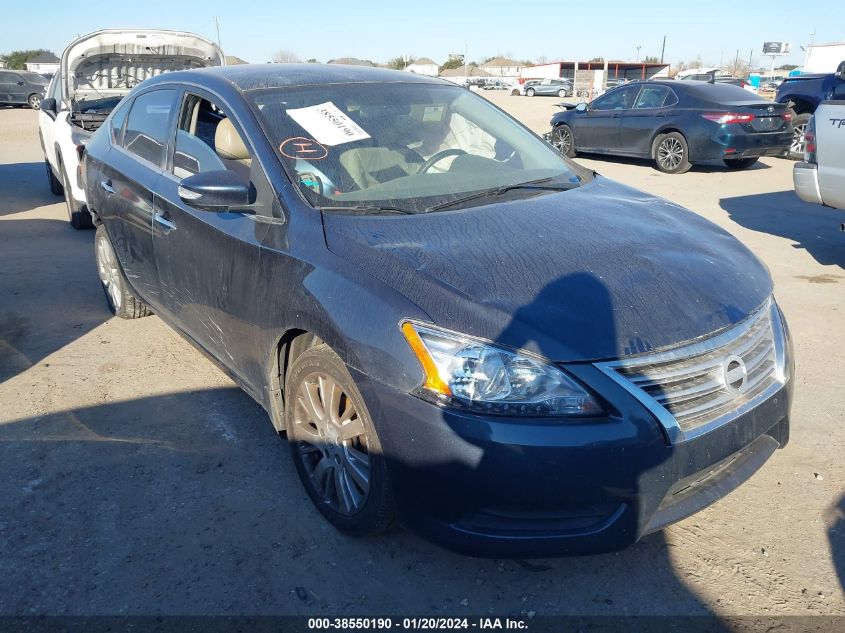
x: 117, y: 120
x: 148, y: 125
x: 655, y: 97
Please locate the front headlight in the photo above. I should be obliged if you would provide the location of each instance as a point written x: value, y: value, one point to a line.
x: 469, y: 374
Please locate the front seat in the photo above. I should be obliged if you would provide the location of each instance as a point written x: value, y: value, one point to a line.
x: 231, y: 149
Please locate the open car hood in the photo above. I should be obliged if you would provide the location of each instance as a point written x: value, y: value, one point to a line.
x: 111, y: 62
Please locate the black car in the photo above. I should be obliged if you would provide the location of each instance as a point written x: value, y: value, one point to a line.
x: 20, y: 87
x: 454, y: 324
x: 676, y: 123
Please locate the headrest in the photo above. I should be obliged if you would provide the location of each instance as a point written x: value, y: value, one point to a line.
x: 228, y: 143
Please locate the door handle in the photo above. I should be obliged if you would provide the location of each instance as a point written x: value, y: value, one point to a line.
x: 105, y: 185
x: 158, y: 217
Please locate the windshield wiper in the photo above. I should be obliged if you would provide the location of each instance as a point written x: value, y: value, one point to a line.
x: 498, y: 191
x: 372, y: 209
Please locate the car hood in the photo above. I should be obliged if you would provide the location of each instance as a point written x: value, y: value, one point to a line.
x: 599, y: 272
x: 111, y: 62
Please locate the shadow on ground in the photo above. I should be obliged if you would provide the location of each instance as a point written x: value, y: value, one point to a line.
x: 24, y: 187
x: 708, y: 167
x: 812, y: 227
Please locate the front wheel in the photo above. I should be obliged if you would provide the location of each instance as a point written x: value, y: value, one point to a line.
x: 561, y: 93
x: 671, y: 153
x: 563, y: 140
x: 799, y: 129
x: 529, y: 92
x: 335, y: 447
x: 56, y: 187
x: 77, y: 213
x: 740, y: 163
x: 34, y: 101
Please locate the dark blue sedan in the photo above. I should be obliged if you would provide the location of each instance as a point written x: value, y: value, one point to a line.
x: 454, y: 325
x: 676, y: 124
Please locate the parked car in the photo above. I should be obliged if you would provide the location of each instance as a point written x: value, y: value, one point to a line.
x: 820, y: 177
x: 549, y: 87
x: 498, y: 84
x: 803, y: 94
x: 19, y: 87
x: 95, y: 72
x: 514, y: 355
x: 676, y: 123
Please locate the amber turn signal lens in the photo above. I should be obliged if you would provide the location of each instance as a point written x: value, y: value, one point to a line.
x: 433, y: 381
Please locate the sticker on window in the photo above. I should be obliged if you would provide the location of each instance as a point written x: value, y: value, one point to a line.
x: 327, y: 124
x: 433, y: 114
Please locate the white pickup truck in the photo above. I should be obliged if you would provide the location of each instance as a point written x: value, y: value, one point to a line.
x: 96, y: 71
x: 820, y: 177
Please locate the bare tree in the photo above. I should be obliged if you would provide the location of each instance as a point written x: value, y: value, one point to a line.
x: 285, y: 56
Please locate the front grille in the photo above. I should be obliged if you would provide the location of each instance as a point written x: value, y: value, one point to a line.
x: 709, y: 382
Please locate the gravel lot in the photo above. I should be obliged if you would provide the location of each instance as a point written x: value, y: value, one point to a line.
x: 136, y: 479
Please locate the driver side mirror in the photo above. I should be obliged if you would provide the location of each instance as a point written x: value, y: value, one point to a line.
x: 48, y: 105
x: 582, y: 107
x: 840, y: 71
x: 219, y: 190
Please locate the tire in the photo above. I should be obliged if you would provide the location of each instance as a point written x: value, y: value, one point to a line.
x: 345, y: 478
x: 34, y: 101
x: 671, y: 153
x: 561, y: 93
x: 122, y: 301
x: 740, y: 163
x: 564, y: 140
x: 529, y: 92
x: 799, y: 126
x: 79, y: 217
x: 56, y: 187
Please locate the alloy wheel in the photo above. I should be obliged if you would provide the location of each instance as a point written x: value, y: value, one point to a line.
x: 332, y: 443
x: 34, y: 102
x: 798, y: 140
x: 109, y: 272
x: 670, y: 153
x: 562, y: 140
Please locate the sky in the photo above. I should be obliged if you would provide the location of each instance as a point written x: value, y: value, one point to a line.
x: 530, y: 29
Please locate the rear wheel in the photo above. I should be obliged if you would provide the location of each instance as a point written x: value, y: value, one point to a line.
x: 740, y: 163
x: 563, y: 140
x: 56, y: 187
x: 334, y: 443
x: 799, y: 129
x: 122, y: 301
x: 34, y: 101
x: 671, y: 153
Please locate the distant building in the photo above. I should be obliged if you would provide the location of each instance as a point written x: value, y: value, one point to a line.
x: 2, y: 62
x: 424, y: 66
x: 231, y: 60
x: 352, y: 61
x: 43, y: 64
x: 502, y: 67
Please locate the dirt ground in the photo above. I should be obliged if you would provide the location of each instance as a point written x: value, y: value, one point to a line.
x: 136, y: 479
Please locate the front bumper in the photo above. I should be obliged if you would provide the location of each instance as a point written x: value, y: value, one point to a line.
x: 805, y: 178
x: 498, y: 487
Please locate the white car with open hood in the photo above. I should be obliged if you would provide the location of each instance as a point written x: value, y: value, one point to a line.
x: 95, y: 73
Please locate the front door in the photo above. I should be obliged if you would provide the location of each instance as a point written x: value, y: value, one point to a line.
x: 208, y: 261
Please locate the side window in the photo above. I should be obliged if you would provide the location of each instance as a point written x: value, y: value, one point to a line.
x: 206, y: 140
x: 652, y: 97
x: 5, y: 78
x: 617, y: 99
x: 148, y: 125
x: 55, y: 90
x: 118, y: 117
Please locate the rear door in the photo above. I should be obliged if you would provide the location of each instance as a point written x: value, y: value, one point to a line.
x: 830, y: 149
x: 208, y: 261
x: 127, y: 180
x: 652, y: 106
x: 597, y: 129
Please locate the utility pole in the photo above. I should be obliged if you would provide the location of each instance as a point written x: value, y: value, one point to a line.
x: 663, y: 50
x: 750, y: 59
x: 466, y: 64
x: 638, y: 53
x: 217, y: 24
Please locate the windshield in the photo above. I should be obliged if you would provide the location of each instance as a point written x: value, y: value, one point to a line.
x: 404, y: 145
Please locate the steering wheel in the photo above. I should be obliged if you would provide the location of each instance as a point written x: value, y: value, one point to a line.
x: 436, y: 158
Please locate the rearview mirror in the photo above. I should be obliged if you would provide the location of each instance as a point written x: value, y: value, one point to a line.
x: 581, y: 107
x: 219, y: 190
x: 48, y: 105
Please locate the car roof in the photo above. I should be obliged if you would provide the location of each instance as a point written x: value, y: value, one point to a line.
x: 247, y: 77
